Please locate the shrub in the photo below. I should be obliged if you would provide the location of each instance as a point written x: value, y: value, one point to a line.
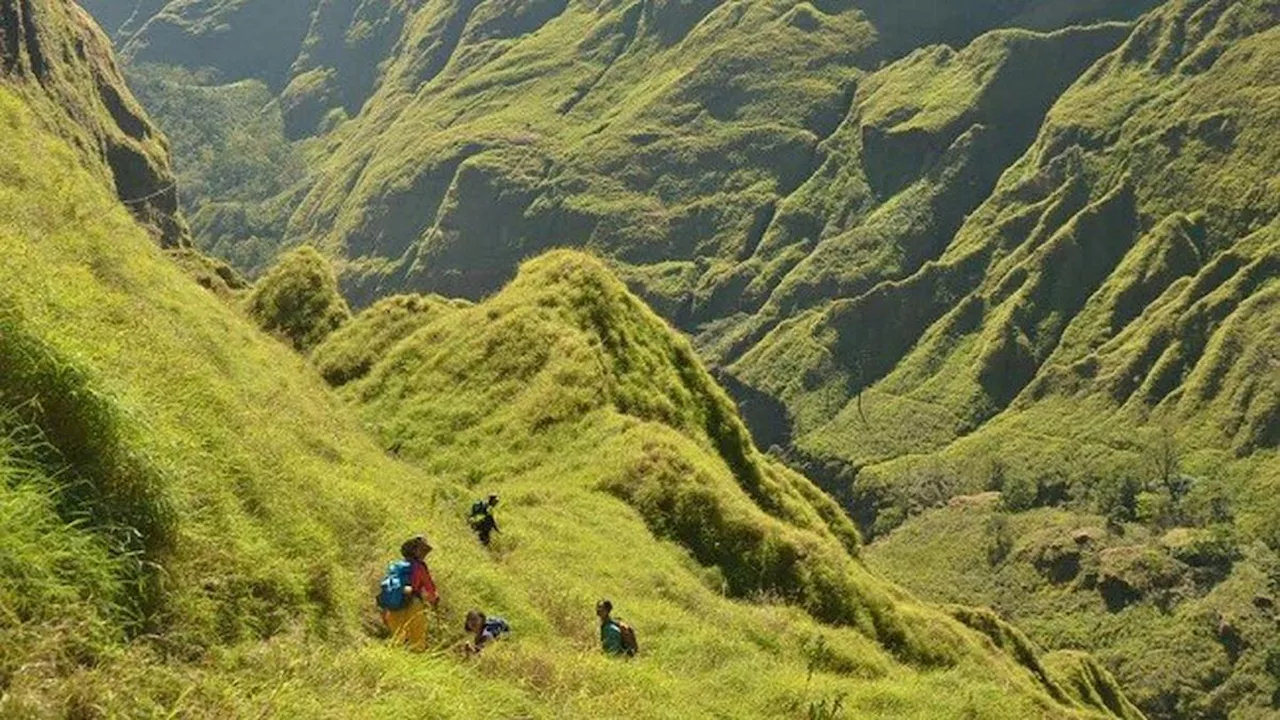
x: 299, y: 299
x: 1019, y: 494
x: 1155, y: 508
x: 929, y: 486
x: 1117, y: 498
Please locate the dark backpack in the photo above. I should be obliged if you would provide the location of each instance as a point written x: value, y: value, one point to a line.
x: 391, y: 591
x: 629, y: 638
x: 496, y: 626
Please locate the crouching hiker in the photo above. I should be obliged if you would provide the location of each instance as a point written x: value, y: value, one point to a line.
x: 483, y: 630
x: 616, y: 638
x: 406, y: 591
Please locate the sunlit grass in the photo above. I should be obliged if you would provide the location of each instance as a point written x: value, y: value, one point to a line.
x: 282, y: 512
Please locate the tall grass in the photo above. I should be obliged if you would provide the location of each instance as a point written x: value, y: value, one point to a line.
x: 271, y: 512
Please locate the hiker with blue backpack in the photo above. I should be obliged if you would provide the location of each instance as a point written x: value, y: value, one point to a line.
x: 405, y: 593
x: 483, y: 630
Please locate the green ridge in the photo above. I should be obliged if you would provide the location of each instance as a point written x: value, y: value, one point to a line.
x: 197, y: 522
x: 1038, y: 260
x: 56, y: 58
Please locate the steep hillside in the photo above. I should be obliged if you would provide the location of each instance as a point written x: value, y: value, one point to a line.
x: 1186, y: 616
x: 53, y: 55
x: 1146, y: 201
x: 566, y: 395
x: 192, y: 524
x: 482, y: 132
x: 1039, y: 260
x: 1100, y: 337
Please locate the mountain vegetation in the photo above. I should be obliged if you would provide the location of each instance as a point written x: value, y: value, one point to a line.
x: 63, y: 66
x: 193, y: 521
x: 1001, y: 278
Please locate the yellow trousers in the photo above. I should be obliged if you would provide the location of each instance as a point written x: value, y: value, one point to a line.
x: 408, y: 625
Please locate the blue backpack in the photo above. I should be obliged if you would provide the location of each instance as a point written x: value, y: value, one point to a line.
x: 392, y: 595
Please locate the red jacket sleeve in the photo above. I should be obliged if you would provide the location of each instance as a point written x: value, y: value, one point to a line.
x: 423, y: 586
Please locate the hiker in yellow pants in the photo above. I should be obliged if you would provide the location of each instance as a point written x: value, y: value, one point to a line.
x: 408, y: 624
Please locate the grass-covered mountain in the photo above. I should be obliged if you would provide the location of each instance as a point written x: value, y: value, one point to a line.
x: 482, y: 132
x: 193, y: 521
x: 1099, y: 338
x: 935, y: 249
x: 56, y: 58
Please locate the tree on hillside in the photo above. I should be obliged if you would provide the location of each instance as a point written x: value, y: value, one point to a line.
x: 299, y: 299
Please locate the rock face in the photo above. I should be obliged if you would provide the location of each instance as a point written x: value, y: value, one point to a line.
x: 53, y: 54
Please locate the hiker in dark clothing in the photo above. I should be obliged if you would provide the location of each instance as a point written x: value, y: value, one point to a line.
x: 481, y: 519
x: 483, y: 630
x: 616, y: 638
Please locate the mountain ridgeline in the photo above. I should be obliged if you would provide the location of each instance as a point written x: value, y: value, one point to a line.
x: 1000, y: 277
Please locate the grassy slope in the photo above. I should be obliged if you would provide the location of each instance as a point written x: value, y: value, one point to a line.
x: 1185, y: 617
x: 1017, y: 351
x: 65, y: 67
x: 1115, y: 300
x: 1064, y: 257
x: 546, y: 119
x: 159, y: 407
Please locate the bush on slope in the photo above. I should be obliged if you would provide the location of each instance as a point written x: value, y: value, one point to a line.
x: 298, y: 299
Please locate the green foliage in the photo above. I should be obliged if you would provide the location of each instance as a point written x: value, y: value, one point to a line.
x: 299, y: 299
x: 1000, y: 538
x: 1018, y: 493
x: 350, y: 352
x: 232, y: 161
x: 1118, y: 498
x: 280, y: 511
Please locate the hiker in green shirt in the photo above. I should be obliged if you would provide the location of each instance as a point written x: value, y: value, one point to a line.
x: 616, y: 638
